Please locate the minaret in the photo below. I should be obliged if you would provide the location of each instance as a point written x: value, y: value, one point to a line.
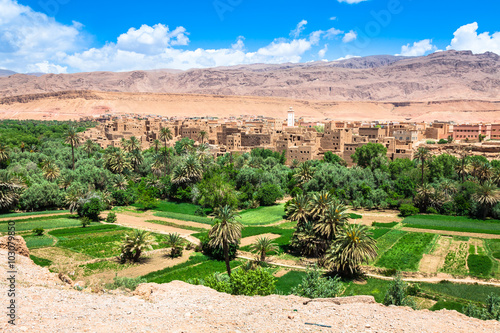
x: 291, y: 117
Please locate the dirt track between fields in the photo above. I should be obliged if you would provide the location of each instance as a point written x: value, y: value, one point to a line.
x: 452, y: 233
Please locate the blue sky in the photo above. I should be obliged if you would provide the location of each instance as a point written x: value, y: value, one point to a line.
x: 71, y: 36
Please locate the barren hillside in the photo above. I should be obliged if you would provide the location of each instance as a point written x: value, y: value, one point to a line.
x: 446, y: 75
x: 45, y: 305
x: 73, y: 105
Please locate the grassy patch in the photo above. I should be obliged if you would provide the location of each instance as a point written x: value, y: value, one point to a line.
x: 175, y: 225
x: 102, y: 266
x: 198, y: 266
x: 407, y: 252
x: 467, y: 292
x: 41, y: 261
x: 454, y: 262
x: 33, y: 213
x: 34, y: 242
x: 355, y: 216
x: 263, y: 215
x: 283, y: 241
x: 46, y: 223
x: 453, y: 223
x: 98, y: 242
x: 388, y: 240
x: 184, y: 217
x: 448, y: 305
x: 379, y: 232
x: 376, y: 288
x: 493, y: 246
x: 384, y: 225
x: 479, y: 265
x: 291, y: 279
x: 181, y: 208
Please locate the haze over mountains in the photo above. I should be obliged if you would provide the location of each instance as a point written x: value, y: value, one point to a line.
x: 446, y: 75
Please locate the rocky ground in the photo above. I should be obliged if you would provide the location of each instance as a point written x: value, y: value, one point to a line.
x: 45, y: 304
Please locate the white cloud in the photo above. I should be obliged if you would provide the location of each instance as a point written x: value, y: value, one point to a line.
x: 28, y: 39
x: 350, y: 36
x: 332, y: 32
x: 323, y: 51
x: 46, y: 67
x: 333, y: 18
x: 349, y: 56
x: 315, y: 37
x: 351, y: 1
x: 295, y: 33
x: 467, y: 38
x: 417, y: 49
x: 151, y: 40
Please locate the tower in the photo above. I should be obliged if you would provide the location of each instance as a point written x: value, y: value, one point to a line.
x: 291, y: 117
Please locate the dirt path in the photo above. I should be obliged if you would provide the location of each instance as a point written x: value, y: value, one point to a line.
x: 30, y: 216
x: 140, y: 223
x: 430, y: 263
x: 155, y: 261
x: 435, y: 279
x: 452, y: 233
x: 370, y: 216
x: 249, y: 240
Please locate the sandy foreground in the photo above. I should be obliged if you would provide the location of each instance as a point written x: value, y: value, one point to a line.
x: 46, y: 305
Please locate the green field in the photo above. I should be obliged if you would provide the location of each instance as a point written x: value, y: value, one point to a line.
x: 479, y: 265
x: 198, y: 266
x: 407, y: 252
x: 379, y: 232
x: 374, y: 287
x: 494, y: 247
x: 41, y: 222
x: 384, y: 225
x: 2, y: 216
x: 291, y: 279
x: 34, y: 242
x: 101, y: 241
x: 453, y: 223
x: 389, y: 239
x: 263, y: 215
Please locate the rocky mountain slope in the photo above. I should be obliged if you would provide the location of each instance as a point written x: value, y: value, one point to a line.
x: 45, y: 304
x: 446, y: 75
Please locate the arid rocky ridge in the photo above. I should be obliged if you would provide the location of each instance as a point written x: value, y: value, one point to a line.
x: 48, y: 305
x: 446, y: 75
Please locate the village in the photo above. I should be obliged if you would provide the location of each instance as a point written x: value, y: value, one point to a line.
x: 301, y: 140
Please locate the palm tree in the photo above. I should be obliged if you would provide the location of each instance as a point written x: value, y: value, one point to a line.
x: 51, y: 172
x: 422, y: 155
x: 425, y: 196
x: 65, y: 181
x: 487, y: 196
x: 298, y: 209
x: 23, y: 147
x: 135, y: 158
x: 189, y: 171
x: 72, y: 200
x: 448, y: 188
x: 165, y: 135
x: 10, y: 191
x: 120, y: 182
x: 462, y: 167
x: 225, y: 230
x: 334, y: 216
x: 4, y: 152
x: 320, y: 202
x: 116, y: 161
x: 485, y: 172
x: 135, y: 243
x: 174, y: 241
x: 353, y: 246
x: 89, y: 147
x: 262, y: 245
x: 156, y: 144
x: 306, y: 241
x: 203, y: 135
x: 72, y: 138
x: 134, y: 144
x: 304, y: 174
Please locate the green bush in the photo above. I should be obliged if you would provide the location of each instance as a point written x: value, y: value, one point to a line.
x: 268, y: 194
x: 431, y: 210
x: 111, y: 218
x: 491, y: 312
x: 216, y: 252
x: 313, y: 285
x: 146, y: 201
x: 252, y: 282
x: 442, y: 141
x: 85, y: 221
x: 408, y: 210
x: 479, y: 265
x: 397, y: 294
x: 38, y: 231
x: 91, y: 209
x: 126, y: 283
x: 430, y: 142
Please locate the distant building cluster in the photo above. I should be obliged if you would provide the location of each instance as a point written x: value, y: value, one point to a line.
x: 300, y: 140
